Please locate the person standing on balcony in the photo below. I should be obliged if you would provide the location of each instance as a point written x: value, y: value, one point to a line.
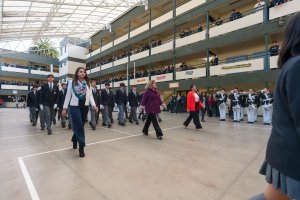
x: 49, y: 101
x: 194, y: 105
x: 151, y: 102
x: 78, y: 98
x: 282, y: 161
x: 233, y: 15
x: 274, y: 49
x: 259, y: 5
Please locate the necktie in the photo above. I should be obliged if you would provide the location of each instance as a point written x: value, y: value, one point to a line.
x: 50, y: 87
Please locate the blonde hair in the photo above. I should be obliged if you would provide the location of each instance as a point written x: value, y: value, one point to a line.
x: 149, y: 84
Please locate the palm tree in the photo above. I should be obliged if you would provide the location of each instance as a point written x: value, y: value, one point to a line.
x: 44, y: 48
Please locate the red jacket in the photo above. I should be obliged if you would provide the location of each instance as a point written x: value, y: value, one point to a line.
x: 191, y: 102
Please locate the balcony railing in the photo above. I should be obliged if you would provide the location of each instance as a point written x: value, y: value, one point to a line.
x: 284, y: 9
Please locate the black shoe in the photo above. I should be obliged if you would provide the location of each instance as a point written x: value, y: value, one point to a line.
x: 137, y: 123
x: 185, y: 125
x: 121, y: 124
x: 139, y: 117
x: 103, y: 124
x: 74, y: 145
x: 159, y: 138
x: 33, y: 124
x: 234, y: 121
x: 81, y: 152
x: 109, y: 126
x: 49, y: 131
x: 203, y: 121
x: 242, y: 119
x: 91, y: 125
x: 199, y: 128
x: 145, y: 133
x: 63, y: 125
x: 112, y: 121
x: 159, y: 119
x: 42, y: 129
x: 54, y: 122
x: 130, y: 121
x: 93, y: 128
x: 69, y: 126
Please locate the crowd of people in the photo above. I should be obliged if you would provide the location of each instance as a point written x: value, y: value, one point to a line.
x: 18, y: 83
x: 217, y: 105
x: 35, y: 67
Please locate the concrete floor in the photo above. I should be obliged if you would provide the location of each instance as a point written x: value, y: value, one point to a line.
x: 220, y: 162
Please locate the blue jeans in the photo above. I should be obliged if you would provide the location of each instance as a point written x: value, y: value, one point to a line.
x: 79, y: 115
x: 121, y: 114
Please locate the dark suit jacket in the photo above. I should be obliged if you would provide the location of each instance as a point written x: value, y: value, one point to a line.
x: 133, y: 99
x: 97, y: 97
x: 47, y: 97
x: 283, y: 150
x: 37, y: 99
x: 61, y: 98
x: 206, y: 100
x: 31, y: 99
x: 107, y: 99
x: 121, y: 97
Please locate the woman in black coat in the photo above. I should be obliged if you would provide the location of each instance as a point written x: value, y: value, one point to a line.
x: 282, y: 164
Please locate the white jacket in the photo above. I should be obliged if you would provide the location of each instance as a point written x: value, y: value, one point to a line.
x: 73, y: 100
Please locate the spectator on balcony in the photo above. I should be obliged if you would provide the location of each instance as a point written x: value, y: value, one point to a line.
x: 188, y: 32
x: 219, y: 22
x: 182, y: 34
x: 158, y: 42
x: 233, y: 16
x: 153, y: 43
x: 274, y: 49
x: 183, y: 66
x: 200, y: 28
x: 215, y: 60
x: 259, y: 5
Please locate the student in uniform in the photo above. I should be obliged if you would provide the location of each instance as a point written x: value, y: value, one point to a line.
x: 236, y: 105
x: 78, y: 98
x: 107, y: 100
x: 221, y: 98
x: 49, y: 101
x: 251, y: 103
x: 96, y: 96
x: 40, y: 112
x: 31, y: 98
x: 121, y: 101
x: 267, y: 104
x: 282, y: 163
x: 61, y: 100
x: 133, y: 99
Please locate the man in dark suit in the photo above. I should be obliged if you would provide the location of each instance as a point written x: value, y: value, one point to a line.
x: 40, y: 112
x: 61, y: 100
x: 94, y: 114
x: 121, y: 101
x: 107, y: 100
x: 31, y: 98
x: 133, y: 98
x: 48, y: 101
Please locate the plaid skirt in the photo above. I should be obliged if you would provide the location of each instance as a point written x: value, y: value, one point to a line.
x: 287, y: 185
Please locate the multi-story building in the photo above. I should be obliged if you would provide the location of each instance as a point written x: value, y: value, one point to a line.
x: 18, y: 71
x: 148, y: 42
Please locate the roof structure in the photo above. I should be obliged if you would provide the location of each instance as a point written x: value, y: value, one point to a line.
x: 35, y: 19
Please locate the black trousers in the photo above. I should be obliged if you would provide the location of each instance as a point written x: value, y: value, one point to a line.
x: 152, y: 118
x: 203, y: 112
x: 195, y: 117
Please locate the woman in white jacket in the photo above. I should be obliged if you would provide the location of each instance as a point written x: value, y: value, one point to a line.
x: 78, y: 98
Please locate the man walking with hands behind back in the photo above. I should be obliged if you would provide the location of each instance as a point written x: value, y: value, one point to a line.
x: 48, y: 101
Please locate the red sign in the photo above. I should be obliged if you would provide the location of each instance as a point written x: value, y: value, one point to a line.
x: 158, y: 78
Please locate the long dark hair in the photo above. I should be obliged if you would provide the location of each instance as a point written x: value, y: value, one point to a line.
x: 291, y: 41
x: 76, y: 78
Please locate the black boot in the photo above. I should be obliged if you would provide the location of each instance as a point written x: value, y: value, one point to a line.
x: 74, y: 145
x: 81, y: 152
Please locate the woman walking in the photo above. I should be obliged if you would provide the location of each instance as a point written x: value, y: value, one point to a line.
x: 78, y: 98
x: 194, y: 105
x: 151, y: 102
x: 282, y: 165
